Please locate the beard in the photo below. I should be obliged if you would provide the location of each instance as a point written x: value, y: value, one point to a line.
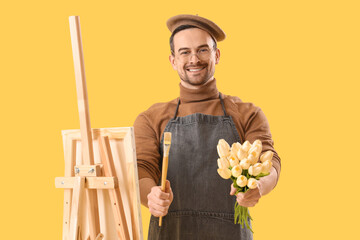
x: 196, y: 83
x: 199, y: 78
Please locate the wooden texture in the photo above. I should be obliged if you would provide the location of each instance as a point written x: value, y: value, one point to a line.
x: 163, y: 179
x: 77, y: 199
x: 82, y: 149
x: 165, y: 163
x: 114, y: 194
x: 164, y: 172
x: 100, y: 236
x: 81, y: 89
x: 124, y: 170
x: 88, y: 170
x: 69, y: 156
x: 90, y: 182
x: 85, y: 127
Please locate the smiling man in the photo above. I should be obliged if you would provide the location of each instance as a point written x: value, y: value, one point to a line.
x: 197, y: 202
x: 196, y: 68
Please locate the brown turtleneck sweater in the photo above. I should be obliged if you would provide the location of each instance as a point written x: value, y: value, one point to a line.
x: 149, y: 126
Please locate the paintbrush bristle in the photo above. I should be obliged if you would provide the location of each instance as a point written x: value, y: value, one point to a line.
x: 167, y: 138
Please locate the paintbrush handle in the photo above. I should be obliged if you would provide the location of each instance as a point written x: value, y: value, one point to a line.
x: 163, y: 178
x: 160, y: 221
x: 164, y: 172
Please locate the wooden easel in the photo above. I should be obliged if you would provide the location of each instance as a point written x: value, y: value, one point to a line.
x: 85, y: 182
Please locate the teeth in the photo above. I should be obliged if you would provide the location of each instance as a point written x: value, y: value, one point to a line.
x: 195, y: 70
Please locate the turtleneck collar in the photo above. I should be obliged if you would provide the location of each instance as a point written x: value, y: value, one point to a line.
x: 205, y: 92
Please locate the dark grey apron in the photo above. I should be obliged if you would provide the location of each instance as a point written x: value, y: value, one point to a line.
x: 202, y: 207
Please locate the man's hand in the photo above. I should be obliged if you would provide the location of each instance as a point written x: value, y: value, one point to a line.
x: 248, y: 199
x: 252, y: 196
x: 159, y: 201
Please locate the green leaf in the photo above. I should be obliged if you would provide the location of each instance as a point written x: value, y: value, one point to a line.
x: 262, y: 175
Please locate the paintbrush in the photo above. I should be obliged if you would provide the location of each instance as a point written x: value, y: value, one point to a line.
x: 165, y: 163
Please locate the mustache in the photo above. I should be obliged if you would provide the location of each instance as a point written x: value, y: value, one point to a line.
x: 195, y: 66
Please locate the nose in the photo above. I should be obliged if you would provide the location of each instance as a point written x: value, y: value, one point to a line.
x: 194, y: 58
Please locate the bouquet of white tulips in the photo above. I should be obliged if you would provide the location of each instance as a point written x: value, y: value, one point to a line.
x: 240, y: 163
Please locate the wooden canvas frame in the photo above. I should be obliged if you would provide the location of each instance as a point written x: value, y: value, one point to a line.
x: 124, y: 170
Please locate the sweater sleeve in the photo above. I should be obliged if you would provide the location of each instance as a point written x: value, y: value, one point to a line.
x: 257, y: 127
x: 147, y: 149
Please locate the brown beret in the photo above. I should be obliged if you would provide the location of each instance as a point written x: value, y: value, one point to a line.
x: 205, y: 24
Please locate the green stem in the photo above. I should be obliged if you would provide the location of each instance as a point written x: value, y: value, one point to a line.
x: 241, y: 214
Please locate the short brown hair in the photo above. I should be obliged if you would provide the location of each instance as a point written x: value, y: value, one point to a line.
x: 183, y: 27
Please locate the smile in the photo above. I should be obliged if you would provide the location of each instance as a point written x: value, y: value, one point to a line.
x: 195, y: 69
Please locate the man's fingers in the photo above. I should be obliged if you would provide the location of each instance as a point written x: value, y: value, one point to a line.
x: 247, y: 203
x: 158, y: 197
x: 248, y: 199
x: 160, y: 194
x: 167, y: 186
x: 252, y: 194
x: 158, y: 207
x: 156, y: 212
x: 240, y: 195
x: 233, y: 190
x: 160, y: 201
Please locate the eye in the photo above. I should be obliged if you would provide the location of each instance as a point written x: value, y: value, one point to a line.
x: 184, y: 53
x: 204, y: 50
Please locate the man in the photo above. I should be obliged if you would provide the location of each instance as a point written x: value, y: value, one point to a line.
x: 196, y: 203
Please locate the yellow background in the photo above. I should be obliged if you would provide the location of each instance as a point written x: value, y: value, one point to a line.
x: 297, y: 60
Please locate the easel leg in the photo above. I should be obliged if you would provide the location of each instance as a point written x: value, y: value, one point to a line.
x: 114, y: 194
x: 93, y: 211
x: 70, y: 156
x: 85, y: 128
x: 78, y: 193
x: 100, y: 237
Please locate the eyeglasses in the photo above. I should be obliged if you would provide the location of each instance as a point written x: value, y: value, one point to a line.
x: 202, y: 54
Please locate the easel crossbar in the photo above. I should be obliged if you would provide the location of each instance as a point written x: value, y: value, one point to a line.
x: 90, y: 182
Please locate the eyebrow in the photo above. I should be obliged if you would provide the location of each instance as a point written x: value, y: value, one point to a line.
x: 204, y: 45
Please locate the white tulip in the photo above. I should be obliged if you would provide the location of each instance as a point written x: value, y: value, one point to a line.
x: 246, y: 146
x: 268, y: 155
x: 266, y: 166
x: 233, y: 160
x: 257, y: 142
x: 235, y: 147
x: 241, y: 181
x: 245, y: 163
x: 252, y: 159
x: 241, y: 154
x: 252, y: 183
x: 236, y: 171
x: 255, y: 170
x: 223, y: 163
x: 223, y: 148
x: 225, y: 173
x: 255, y: 151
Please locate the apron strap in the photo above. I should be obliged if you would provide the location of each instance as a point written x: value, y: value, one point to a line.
x: 221, y: 101
x: 177, y: 108
x: 222, y: 104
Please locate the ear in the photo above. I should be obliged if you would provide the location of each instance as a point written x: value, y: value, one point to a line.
x: 217, y: 56
x: 172, y: 61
